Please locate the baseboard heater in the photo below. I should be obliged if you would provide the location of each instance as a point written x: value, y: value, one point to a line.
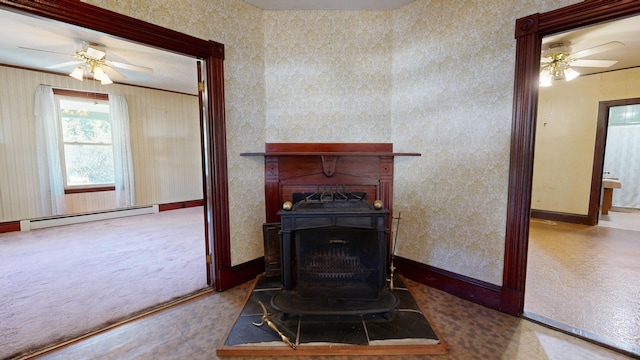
x: 31, y: 224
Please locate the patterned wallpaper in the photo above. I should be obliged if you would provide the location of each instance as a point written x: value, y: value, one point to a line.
x: 453, y: 86
x: 328, y: 76
x: 435, y: 77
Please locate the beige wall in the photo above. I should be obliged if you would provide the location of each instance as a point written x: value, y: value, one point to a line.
x: 565, y: 137
x: 165, y: 145
x: 452, y: 101
x: 434, y: 77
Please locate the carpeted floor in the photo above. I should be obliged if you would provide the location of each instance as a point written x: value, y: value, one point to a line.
x: 62, y: 282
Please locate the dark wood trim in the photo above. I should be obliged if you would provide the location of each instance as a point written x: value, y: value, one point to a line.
x: 241, y: 273
x: 597, y: 174
x: 180, y: 205
x: 595, y: 193
x: 467, y: 288
x: 204, y: 164
x: 89, y: 190
x: 521, y: 160
x: 215, y: 185
x: 81, y: 94
x: 9, y: 226
x: 273, y: 176
x: 216, y: 162
x: 106, y: 21
x: 563, y: 217
x: 313, y: 160
x: 115, y: 82
x: 529, y: 32
x: 328, y: 153
x: 293, y: 148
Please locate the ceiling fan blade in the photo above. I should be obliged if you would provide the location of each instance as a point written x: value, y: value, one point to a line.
x: 64, y: 64
x: 95, y: 53
x: 593, y: 63
x: 47, y: 51
x: 130, y: 67
x: 597, y: 49
x: 113, y: 73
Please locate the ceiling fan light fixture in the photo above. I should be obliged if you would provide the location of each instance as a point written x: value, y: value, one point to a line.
x: 106, y: 80
x: 570, y: 74
x: 77, y: 73
x: 546, y: 79
x: 101, y: 76
x: 98, y: 73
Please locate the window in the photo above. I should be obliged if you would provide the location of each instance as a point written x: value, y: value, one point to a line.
x: 86, y: 140
x: 624, y: 115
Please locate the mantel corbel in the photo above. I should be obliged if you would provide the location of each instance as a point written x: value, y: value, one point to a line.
x: 329, y: 164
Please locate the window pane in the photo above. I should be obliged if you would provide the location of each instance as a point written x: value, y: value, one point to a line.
x: 88, y: 164
x: 78, y: 129
x: 85, y: 121
x: 624, y: 115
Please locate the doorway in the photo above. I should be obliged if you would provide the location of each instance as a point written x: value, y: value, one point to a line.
x: 620, y: 164
x: 576, y: 271
x: 210, y: 106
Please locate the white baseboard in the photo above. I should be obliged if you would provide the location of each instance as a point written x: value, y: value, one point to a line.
x: 31, y: 224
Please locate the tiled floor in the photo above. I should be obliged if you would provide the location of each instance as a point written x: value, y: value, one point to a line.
x: 620, y: 218
x: 194, y: 330
x: 586, y: 280
x: 400, y: 329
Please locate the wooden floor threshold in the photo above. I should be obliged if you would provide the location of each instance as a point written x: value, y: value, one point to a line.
x: 137, y: 316
x: 333, y: 350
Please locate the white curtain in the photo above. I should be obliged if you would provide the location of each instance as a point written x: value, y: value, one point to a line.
x: 122, y: 163
x: 49, y: 167
x: 622, y: 160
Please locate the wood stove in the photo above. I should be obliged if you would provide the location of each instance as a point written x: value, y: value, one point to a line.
x: 298, y: 168
x: 334, y: 256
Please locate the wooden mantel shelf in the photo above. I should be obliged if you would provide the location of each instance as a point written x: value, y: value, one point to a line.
x: 291, y: 168
x: 329, y: 150
x: 327, y: 153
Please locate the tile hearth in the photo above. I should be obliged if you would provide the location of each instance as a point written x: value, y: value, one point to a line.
x: 319, y: 334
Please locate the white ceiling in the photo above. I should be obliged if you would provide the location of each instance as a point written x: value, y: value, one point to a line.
x: 626, y: 31
x: 171, y: 71
x: 329, y: 4
x: 178, y: 73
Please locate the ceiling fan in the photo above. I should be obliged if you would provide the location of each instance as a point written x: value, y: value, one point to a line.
x: 91, y: 59
x: 558, y: 61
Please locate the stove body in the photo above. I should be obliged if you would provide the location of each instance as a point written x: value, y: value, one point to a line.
x: 334, y: 256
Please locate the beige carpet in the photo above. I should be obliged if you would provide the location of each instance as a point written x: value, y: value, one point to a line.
x: 58, y: 283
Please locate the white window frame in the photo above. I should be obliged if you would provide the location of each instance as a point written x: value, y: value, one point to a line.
x: 72, y: 95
